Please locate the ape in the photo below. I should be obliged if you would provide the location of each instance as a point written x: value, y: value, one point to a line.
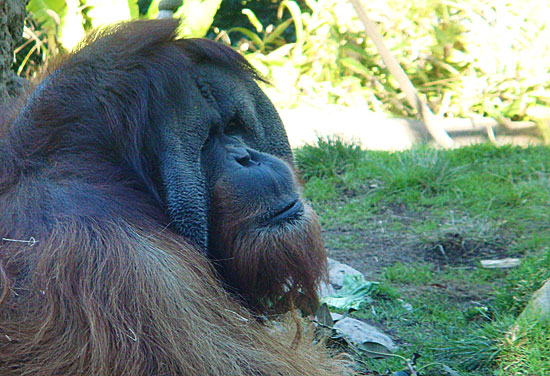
x: 148, y: 211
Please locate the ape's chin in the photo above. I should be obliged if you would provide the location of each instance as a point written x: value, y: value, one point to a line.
x: 276, y: 267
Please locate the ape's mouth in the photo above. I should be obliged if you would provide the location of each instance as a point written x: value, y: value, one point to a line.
x: 293, y: 210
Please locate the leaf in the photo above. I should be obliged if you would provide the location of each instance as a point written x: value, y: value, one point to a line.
x: 312, y: 4
x: 276, y: 33
x: 197, y: 17
x: 296, y: 14
x: 253, y: 37
x: 514, y: 108
x: 354, y: 293
x: 253, y: 20
x: 355, y: 66
x: 62, y: 18
x: 280, y: 53
x: 153, y: 10
x: 449, y: 370
x: 350, y: 47
x: 375, y: 350
x: 133, y: 8
x: 42, y: 12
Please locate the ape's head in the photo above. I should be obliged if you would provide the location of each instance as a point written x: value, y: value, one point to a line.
x: 185, y: 122
x: 264, y: 239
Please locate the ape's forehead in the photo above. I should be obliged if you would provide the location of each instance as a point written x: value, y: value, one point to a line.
x: 239, y: 101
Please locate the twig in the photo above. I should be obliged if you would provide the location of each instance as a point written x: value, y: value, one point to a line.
x: 430, y: 120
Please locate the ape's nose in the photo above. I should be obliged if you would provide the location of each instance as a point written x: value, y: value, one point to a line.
x: 242, y: 156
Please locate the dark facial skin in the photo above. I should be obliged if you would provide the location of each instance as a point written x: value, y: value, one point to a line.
x: 258, y: 180
x: 256, y: 217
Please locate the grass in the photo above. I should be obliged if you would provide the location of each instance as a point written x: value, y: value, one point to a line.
x: 418, y: 222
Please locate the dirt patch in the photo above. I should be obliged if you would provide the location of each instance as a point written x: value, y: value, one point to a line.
x: 454, y: 249
x: 374, y: 250
x: 379, y: 245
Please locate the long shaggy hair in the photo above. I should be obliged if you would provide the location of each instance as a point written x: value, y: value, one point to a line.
x: 274, y: 267
x: 93, y: 280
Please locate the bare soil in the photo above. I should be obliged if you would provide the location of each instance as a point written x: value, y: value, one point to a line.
x: 380, y: 246
x: 379, y: 250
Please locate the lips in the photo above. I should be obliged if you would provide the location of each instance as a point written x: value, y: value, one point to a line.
x: 293, y: 210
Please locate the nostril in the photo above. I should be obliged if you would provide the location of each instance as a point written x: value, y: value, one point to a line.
x: 241, y: 156
x: 243, y: 160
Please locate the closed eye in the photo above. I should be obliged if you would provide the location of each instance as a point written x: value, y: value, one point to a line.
x: 233, y: 128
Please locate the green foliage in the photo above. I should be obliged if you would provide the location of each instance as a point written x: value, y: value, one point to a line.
x: 409, y: 274
x: 470, y: 58
x: 39, y: 36
x: 425, y: 169
x: 48, y: 13
x: 527, y: 352
x: 318, y: 189
x: 68, y: 20
x: 237, y: 14
x: 354, y: 293
x: 197, y: 16
x: 270, y: 37
x: 523, y: 281
x: 56, y: 25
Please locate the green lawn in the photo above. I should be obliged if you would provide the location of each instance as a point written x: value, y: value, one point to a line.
x: 418, y: 222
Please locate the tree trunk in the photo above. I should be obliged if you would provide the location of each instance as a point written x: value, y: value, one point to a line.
x: 12, y: 16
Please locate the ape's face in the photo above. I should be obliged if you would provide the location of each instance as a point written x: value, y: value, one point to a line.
x: 264, y: 239
x: 244, y: 150
x: 259, y: 186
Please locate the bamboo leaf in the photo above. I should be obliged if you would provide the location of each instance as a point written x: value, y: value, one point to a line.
x: 153, y: 10
x: 355, y: 66
x: 133, y: 8
x: 350, y: 47
x: 42, y: 12
x: 296, y: 14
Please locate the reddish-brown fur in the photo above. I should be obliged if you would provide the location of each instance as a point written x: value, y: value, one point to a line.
x: 278, y: 267
x: 108, y: 288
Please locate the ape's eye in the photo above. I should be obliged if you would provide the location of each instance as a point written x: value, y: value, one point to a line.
x: 233, y: 128
x: 214, y: 130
